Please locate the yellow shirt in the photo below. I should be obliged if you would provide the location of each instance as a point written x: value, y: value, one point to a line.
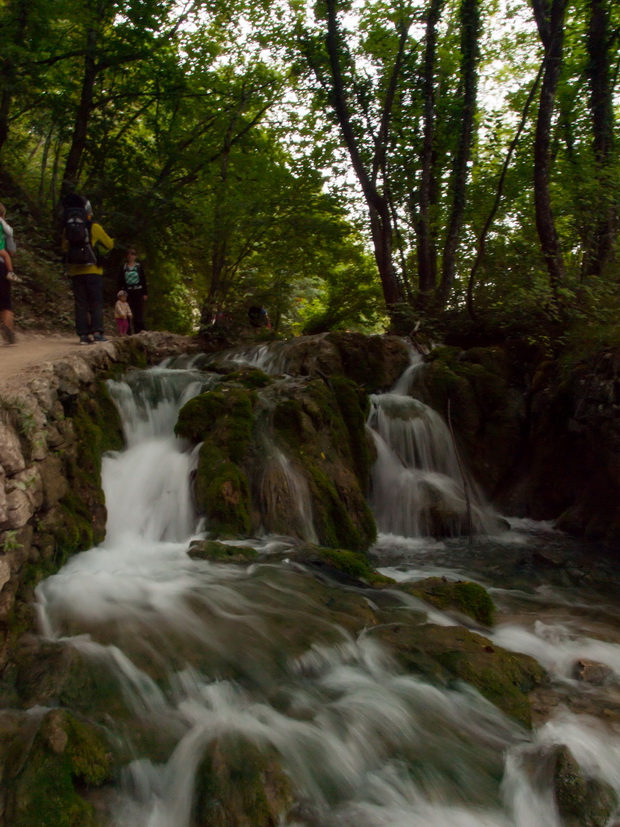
x: 97, y: 236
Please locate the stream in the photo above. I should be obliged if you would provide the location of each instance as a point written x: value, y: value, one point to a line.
x: 201, y: 652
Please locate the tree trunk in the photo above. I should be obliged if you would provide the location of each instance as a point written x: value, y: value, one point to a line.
x: 378, y: 206
x: 550, y: 22
x: 470, y: 31
x: 425, y: 242
x: 599, y: 75
x: 83, y: 114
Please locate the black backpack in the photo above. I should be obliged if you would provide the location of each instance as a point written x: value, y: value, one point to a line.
x: 77, y: 233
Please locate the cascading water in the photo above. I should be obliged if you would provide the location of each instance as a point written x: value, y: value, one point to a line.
x: 419, y: 488
x: 203, y: 652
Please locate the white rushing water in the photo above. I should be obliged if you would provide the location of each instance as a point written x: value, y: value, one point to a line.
x: 419, y: 486
x: 200, y: 650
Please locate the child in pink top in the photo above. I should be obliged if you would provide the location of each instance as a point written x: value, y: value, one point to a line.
x: 122, y: 313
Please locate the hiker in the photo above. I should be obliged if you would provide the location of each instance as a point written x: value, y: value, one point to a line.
x: 7, y: 246
x: 7, y: 242
x: 258, y: 316
x: 122, y: 313
x: 81, y: 235
x: 132, y: 279
x: 6, y: 305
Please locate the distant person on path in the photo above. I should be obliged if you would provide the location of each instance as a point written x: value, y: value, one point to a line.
x: 7, y: 246
x: 132, y: 279
x: 258, y: 316
x: 81, y: 236
x: 122, y: 313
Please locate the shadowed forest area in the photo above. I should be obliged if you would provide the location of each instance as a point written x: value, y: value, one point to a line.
x: 362, y: 166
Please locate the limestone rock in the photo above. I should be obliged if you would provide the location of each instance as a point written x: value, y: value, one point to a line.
x: 54, y: 483
x: 11, y: 456
x: 597, y: 674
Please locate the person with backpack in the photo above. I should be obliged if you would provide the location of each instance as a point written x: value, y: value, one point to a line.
x: 132, y: 279
x: 81, y: 236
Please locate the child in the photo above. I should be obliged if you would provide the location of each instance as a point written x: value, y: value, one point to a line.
x: 122, y: 313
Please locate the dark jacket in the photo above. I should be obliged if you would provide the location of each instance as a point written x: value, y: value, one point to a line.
x: 127, y: 282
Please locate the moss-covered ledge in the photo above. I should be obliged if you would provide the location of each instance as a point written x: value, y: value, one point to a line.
x: 54, y: 428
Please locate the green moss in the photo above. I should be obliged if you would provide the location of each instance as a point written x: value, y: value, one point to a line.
x: 223, y: 494
x: 332, y: 519
x: 222, y: 552
x: 354, y: 564
x: 314, y: 430
x: 469, y: 598
x: 44, y: 792
x: 238, y: 783
x: 224, y: 416
x: 449, y: 653
x: 353, y: 405
x: 249, y: 378
x: 88, y: 753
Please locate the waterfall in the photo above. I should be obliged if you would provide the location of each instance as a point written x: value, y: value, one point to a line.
x: 265, y: 654
x: 419, y: 487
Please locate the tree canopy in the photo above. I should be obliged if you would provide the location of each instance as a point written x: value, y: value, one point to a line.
x: 349, y: 165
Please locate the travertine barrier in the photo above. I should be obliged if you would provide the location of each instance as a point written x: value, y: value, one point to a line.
x: 54, y: 429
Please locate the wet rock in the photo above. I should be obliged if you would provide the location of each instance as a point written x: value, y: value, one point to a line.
x: 469, y: 598
x: 240, y: 784
x: 49, y: 759
x: 221, y: 552
x: 582, y: 801
x: 349, y: 567
x: 449, y: 653
x: 548, y: 560
x: 589, y: 671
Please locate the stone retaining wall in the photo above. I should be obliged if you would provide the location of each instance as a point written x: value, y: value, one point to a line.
x: 54, y: 429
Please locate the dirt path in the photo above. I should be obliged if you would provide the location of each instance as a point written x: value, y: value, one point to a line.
x: 30, y: 351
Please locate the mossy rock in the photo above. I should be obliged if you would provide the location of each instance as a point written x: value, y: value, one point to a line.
x: 223, y: 416
x: 221, y: 552
x: 239, y: 784
x: 354, y: 405
x: 312, y: 431
x: 469, y: 598
x: 43, y: 775
x: 582, y: 801
x: 448, y: 653
x: 223, y: 494
x: 249, y: 378
x: 223, y: 419
x: 340, y: 564
x: 98, y: 429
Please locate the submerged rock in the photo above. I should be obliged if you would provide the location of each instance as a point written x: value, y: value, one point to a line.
x: 240, y: 784
x: 221, y: 552
x: 469, y: 598
x: 582, y: 801
x: 448, y: 653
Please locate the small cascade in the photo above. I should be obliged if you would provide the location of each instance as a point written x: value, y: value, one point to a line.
x: 147, y: 487
x: 419, y: 488
x: 286, y: 506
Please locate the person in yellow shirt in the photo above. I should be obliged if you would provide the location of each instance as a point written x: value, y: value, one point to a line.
x: 81, y: 238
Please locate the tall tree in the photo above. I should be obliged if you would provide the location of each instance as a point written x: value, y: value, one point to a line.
x: 599, y: 73
x: 469, y: 14
x: 369, y: 167
x: 549, y: 17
